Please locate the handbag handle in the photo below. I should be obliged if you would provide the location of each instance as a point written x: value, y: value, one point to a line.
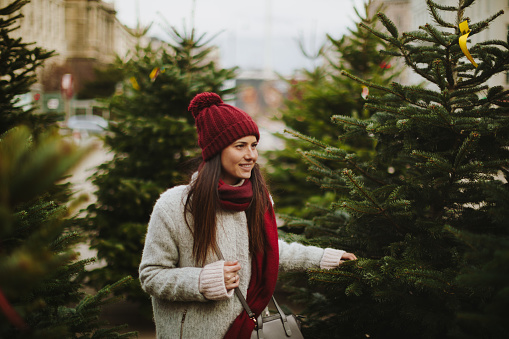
x: 250, y: 313
x: 239, y: 294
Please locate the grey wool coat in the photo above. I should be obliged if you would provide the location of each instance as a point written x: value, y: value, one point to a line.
x: 168, y: 271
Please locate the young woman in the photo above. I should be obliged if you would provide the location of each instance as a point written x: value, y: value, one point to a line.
x: 226, y: 204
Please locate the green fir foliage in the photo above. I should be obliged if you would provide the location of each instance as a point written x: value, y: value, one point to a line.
x: 312, y: 101
x: 18, y: 63
x: 153, y: 140
x: 427, y: 215
x: 41, y: 294
x: 41, y: 290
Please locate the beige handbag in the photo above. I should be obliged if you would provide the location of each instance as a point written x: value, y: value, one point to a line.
x: 277, y: 325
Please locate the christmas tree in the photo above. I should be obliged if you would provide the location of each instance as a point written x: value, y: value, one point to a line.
x: 313, y: 99
x: 427, y: 216
x: 18, y: 62
x: 41, y: 294
x: 153, y: 140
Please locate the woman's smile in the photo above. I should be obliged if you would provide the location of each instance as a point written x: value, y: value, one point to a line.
x: 247, y: 167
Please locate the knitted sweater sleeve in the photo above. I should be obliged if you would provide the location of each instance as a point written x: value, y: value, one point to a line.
x: 159, y: 273
x: 297, y: 257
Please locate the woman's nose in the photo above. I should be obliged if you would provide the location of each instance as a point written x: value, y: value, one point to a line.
x: 251, y: 153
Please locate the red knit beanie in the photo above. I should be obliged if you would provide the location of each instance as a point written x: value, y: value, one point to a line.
x: 219, y: 124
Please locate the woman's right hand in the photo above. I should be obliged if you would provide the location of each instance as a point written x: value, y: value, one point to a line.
x: 231, y: 276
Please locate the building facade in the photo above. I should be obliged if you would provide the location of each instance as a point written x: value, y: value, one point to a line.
x: 42, y: 22
x: 84, y: 34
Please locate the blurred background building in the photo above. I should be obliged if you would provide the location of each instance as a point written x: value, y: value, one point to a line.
x: 86, y: 34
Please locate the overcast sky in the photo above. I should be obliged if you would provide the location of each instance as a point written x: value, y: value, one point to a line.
x: 242, y: 26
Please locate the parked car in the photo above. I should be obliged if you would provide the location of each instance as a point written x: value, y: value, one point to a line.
x: 87, y: 123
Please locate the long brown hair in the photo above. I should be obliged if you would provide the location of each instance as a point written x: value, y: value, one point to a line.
x: 202, y: 204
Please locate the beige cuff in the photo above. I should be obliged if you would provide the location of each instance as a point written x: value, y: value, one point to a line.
x: 211, y: 282
x: 331, y: 258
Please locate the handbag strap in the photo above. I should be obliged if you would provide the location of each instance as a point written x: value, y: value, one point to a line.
x: 250, y: 313
x: 239, y: 294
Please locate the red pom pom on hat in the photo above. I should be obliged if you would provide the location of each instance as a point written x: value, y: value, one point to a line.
x: 219, y: 124
x: 202, y: 101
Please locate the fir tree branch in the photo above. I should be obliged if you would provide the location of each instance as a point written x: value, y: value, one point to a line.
x: 408, y: 61
x: 481, y: 26
x: 449, y: 74
x: 326, y: 155
x: 485, y: 75
x: 306, y: 138
x: 13, y: 7
x: 372, y: 85
x: 345, y: 158
x: 462, y: 92
x: 382, y: 36
x: 420, y: 36
x: 438, y: 163
x: 494, y: 42
x: 383, y: 212
x: 397, y: 90
x: 467, y: 144
x: 391, y: 53
x: 497, y: 94
x: 437, y: 36
x: 346, y: 120
x: 332, y: 186
x: 391, y: 27
x: 432, y: 4
x: 364, y: 173
x: 332, y: 273
x: 465, y: 4
x: 439, y: 69
x: 401, y: 112
x: 434, y: 13
x: 313, y: 162
x: 359, y: 209
x: 434, y: 276
x: 444, y: 114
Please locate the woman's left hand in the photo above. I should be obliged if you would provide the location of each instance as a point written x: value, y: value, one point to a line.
x: 348, y: 256
x: 231, y: 274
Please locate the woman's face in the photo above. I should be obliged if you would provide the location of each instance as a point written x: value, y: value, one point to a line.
x: 238, y: 159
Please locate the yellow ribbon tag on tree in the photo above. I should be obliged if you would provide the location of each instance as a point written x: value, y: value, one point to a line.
x: 134, y: 82
x: 463, y: 41
x: 155, y: 72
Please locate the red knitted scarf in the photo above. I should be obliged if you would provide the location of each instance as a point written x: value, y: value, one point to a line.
x: 264, y: 266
